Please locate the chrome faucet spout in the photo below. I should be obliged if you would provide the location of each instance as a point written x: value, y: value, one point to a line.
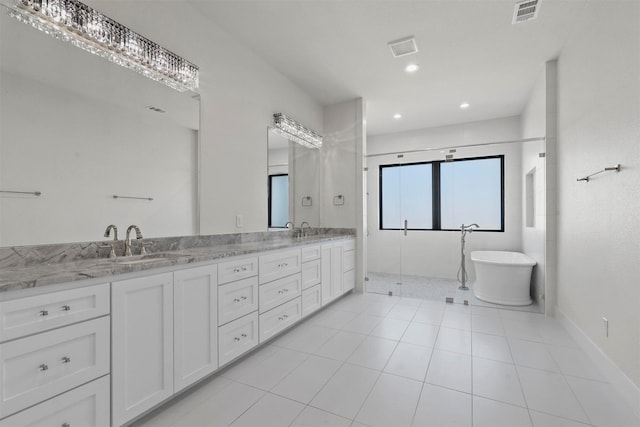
x: 127, y: 241
x: 303, y: 230
x: 107, y: 232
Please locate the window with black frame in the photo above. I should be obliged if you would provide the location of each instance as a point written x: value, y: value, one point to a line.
x: 443, y: 195
x: 278, y: 200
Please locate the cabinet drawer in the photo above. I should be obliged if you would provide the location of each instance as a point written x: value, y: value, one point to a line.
x: 36, y: 368
x: 237, y: 337
x: 310, y: 273
x: 275, y: 293
x: 311, y: 300
x: 280, y: 264
x: 348, y: 261
x: 237, y: 299
x: 85, y: 406
x: 348, y: 281
x: 349, y: 245
x: 237, y: 269
x: 310, y: 253
x: 26, y: 316
x: 279, y: 318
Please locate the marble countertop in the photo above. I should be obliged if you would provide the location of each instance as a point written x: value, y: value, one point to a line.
x: 24, y: 277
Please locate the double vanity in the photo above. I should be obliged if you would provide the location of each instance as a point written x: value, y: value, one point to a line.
x: 101, y: 341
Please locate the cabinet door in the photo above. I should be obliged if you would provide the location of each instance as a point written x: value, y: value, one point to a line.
x: 325, y: 264
x: 311, y: 273
x: 142, y: 343
x: 195, y: 323
x: 85, y: 406
x: 336, y: 270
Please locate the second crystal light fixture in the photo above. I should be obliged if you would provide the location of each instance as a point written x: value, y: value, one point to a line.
x: 84, y: 27
x: 296, y: 132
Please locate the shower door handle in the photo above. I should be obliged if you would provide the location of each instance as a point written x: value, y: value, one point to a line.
x: 405, y: 226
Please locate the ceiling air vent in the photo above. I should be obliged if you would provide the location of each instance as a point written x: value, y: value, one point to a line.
x: 402, y: 47
x: 525, y: 10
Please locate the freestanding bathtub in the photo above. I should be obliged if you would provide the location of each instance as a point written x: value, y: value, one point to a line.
x: 502, y: 277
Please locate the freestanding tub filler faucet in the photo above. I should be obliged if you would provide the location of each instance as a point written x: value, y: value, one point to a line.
x: 462, y: 271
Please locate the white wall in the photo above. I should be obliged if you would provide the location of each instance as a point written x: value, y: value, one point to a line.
x: 437, y: 253
x: 598, y: 222
x: 80, y: 153
x: 496, y: 130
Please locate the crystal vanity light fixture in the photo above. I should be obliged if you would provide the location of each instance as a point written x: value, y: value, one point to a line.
x: 84, y: 27
x: 296, y: 132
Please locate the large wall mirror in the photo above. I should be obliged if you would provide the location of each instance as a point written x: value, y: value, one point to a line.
x: 293, y: 183
x: 80, y: 130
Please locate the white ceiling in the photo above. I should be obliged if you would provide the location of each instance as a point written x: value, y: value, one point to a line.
x: 468, y: 51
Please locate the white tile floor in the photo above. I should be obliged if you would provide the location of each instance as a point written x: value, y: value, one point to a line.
x: 372, y: 360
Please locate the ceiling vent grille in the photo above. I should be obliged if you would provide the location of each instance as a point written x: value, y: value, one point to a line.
x: 525, y: 10
x: 402, y: 47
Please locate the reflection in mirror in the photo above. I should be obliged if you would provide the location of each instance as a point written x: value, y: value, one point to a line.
x: 81, y: 130
x: 278, y: 175
x: 294, y: 169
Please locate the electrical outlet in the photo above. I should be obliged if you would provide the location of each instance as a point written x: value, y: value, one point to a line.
x: 606, y: 326
x: 238, y: 221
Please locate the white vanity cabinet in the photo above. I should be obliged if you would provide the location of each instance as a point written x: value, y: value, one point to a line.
x: 338, y: 269
x: 348, y: 265
x: 53, y: 345
x: 142, y: 345
x: 164, y: 333
x: 280, y: 291
x: 195, y: 320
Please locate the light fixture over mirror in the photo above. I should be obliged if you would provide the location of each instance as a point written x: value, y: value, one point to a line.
x: 84, y: 27
x: 296, y: 132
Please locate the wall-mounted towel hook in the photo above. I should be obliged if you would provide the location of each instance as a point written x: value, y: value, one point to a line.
x: 609, y: 169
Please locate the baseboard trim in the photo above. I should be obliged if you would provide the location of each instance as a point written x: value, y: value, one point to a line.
x: 625, y: 387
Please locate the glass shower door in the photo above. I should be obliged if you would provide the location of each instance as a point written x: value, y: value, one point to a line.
x: 405, y: 209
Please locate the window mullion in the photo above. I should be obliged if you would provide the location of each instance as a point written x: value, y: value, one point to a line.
x: 435, y: 194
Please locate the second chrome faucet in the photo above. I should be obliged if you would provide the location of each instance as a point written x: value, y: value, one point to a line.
x: 127, y: 240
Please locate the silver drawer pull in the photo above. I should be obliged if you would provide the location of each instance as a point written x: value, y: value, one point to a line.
x: 66, y: 359
x: 65, y: 425
x: 43, y: 367
x: 243, y: 298
x: 66, y: 308
x: 236, y: 339
x: 44, y: 312
x: 285, y: 316
x: 236, y: 300
x: 243, y: 335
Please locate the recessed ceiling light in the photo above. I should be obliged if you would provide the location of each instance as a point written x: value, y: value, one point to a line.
x: 411, y: 68
x: 397, y: 116
x: 464, y: 105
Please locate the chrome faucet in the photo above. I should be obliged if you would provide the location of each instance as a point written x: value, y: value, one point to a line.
x: 107, y: 232
x: 289, y: 223
x: 127, y: 241
x: 302, y: 229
